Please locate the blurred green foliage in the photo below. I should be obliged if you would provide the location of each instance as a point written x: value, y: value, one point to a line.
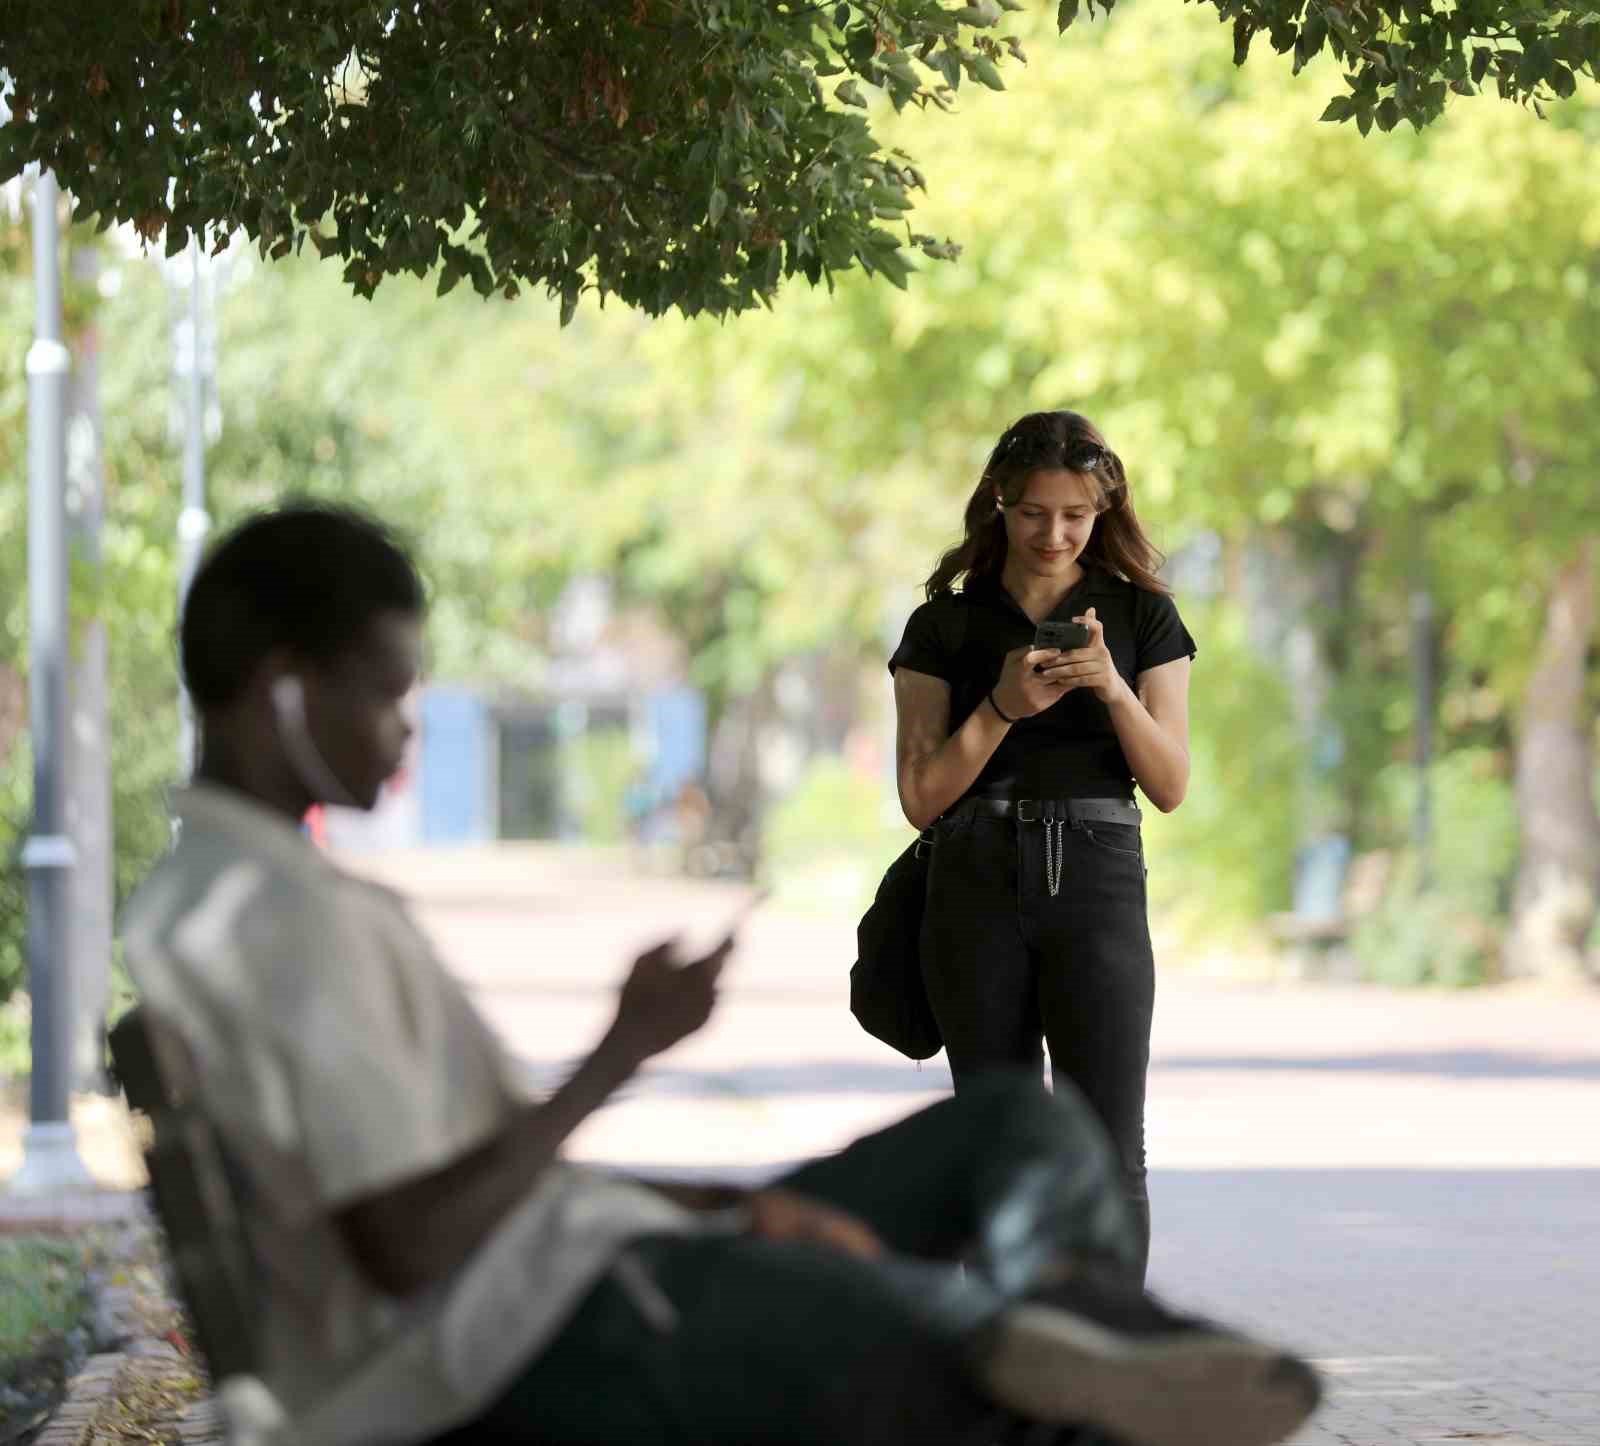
x: 828, y: 840
x: 688, y: 155
x: 45, y: 1323
x: 1436, y: 922
x: 1418, y: 935
x: 1374, y: 361
x: 600, y: 765
x: 136, y: 585
x: 1223, y: 860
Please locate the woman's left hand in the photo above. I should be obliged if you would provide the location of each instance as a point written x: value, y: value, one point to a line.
x: 1089, y: 667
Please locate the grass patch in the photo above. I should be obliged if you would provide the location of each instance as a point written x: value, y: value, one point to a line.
x: 43, y: 1334
x: 45, y: 1294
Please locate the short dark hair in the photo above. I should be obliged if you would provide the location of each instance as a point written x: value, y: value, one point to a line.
x: 308, y: 577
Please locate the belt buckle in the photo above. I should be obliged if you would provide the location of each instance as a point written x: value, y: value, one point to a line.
x: 1024, y: 805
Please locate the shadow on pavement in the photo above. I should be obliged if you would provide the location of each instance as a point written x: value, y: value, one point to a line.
x: 856, y: 1077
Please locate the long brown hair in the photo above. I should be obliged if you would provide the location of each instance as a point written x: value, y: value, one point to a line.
x: 1051, y: 441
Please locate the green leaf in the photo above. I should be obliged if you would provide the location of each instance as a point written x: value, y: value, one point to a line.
x: 1244, y: 31
x: 1066, y: 13
x: 985, y: 70
x: 1340, y: 108
x: 717, y: 206
x: 980, y: 16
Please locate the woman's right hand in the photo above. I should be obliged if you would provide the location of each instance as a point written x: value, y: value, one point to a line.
x: 1021, y: 692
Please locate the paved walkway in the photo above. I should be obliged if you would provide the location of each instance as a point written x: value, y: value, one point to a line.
x: 1406, y: 1186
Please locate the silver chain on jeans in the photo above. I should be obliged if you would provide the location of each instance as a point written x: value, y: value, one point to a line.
x: 1053, y: 859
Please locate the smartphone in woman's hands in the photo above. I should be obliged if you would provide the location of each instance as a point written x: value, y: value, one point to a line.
x: 1062, y: 636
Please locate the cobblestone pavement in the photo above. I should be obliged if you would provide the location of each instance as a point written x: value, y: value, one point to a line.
x: 1405, y: 1186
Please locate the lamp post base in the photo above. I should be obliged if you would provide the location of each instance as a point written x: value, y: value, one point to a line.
x: 50, y: 1162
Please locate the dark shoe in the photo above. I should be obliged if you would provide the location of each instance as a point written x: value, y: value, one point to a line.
x: 1121, y: 1362
x: 1105, y: 1292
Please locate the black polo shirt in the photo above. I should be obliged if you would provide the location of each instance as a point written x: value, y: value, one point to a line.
x: 1070, y: 750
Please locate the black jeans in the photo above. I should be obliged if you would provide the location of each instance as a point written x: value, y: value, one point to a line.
x: 794, y: 1344
x: 1007, y: 964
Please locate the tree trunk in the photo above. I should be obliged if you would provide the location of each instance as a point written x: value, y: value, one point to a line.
x: 734, y: 776
x: 1558, y: 880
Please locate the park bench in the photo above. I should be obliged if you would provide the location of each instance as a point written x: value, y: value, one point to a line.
x: 194, y: 1189
x: 1314, y: 937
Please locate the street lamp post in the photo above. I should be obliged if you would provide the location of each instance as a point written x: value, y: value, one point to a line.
x: 50, y: 1156
x: 190, y: 362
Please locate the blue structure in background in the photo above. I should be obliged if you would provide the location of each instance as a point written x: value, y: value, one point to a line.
x: 483, y: 770
x: 677, y: 721
x: 1320, y: 868
x: 457, y: 767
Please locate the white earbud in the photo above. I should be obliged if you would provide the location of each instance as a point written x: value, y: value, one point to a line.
x: 289, y: 698
x: 289, y: 708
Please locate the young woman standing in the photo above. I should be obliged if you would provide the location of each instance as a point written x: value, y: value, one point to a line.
x: 1024, y: 760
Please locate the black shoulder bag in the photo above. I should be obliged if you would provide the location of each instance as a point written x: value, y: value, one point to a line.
x: 887, y: 995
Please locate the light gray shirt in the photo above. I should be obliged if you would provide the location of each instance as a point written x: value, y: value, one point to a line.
x: 338, y: 1060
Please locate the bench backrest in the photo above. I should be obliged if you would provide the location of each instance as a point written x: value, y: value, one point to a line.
x: 194, y: 1191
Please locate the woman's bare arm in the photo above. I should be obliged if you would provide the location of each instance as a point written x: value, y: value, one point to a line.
x: 933, y: 766
x: 1153, y: 727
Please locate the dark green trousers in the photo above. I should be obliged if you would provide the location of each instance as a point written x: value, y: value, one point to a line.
x: 789, y: 1344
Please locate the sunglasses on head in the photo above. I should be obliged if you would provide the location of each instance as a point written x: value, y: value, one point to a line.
x: 1083, y: 456
x: 1076, y: 456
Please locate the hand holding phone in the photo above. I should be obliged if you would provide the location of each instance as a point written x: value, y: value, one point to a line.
x: 670, y: 992
x: 1062, y: 636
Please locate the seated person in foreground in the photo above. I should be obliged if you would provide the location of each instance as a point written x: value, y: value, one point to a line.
x: 428, y: 1261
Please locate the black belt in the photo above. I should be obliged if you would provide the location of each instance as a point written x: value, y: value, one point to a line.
x: 1049, y: 810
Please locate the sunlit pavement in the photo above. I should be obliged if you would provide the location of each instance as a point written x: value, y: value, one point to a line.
x: 1407, y: 1186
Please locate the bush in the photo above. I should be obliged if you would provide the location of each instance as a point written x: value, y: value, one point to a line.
x: 1225, y: 859
x: 1421, y: 936
x: 830, y: 839
x: 1444, y: 931
x: 15, y: 792
x: 143, y: 755
x: 43, y: 1322
x: 599, y: 767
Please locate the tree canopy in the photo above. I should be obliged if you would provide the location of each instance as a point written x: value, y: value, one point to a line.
x: 687, y: 154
